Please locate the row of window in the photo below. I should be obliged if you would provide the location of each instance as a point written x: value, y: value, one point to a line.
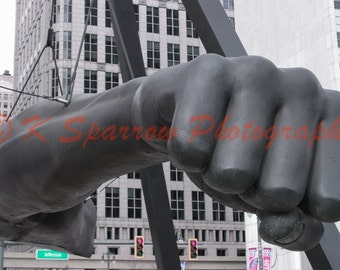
x: 90, y: 81
x: 238, y: 236
x: 111, y: 54
x: 111, y: 57
x: 152, y: 17
x: 220, y: 252
x: 134, y: 205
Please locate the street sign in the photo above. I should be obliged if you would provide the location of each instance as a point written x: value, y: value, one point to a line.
x: 47, y: 254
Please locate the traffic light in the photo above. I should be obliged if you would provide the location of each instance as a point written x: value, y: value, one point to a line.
x: 193, y: 248
x: 139, y: 246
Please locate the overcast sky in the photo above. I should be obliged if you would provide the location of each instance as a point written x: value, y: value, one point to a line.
x: 7, y: 21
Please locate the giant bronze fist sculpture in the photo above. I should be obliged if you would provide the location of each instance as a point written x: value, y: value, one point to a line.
x: 252, y: 136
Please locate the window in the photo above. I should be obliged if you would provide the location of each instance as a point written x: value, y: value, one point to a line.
x: 337, y: 4
x: 172, y: 22
x: 153, y: 54
x: 56, y: 11
x: 112, y: 202
x: 134, y: 232
x: 338, y: 37
x: 136, y: 9
x: 217, y: 236
x: 133, y: 175
x: 109, y: 233
x: 191, y: 31
x: 112, y: 233
x: 90, y: 81
x: 91, y: 47
x: 55, y: 83
x: 175, y: 174
x: 67, y: 53
x: 66, y: 80
x: 111, y: 54
x: 204, y: 235
x: 181, y: 252
x: 111, y: 80
x: 218, y: 211
x: 228, y: 4
x: 238, y: 215
x: 201, y: 252
x: 221, y: 253
x: 67, y: 11
x: 94, y: 12
x: 177, y: 204
x: 224, y: 235
x: 113, y: 250
x: 240, y: 236
x: 107, y: 15
x: 198, y: 205
x: 134, y: 203
x: 152, y: 19
x: 193, y: 52
x: 173, y: 54
x: 241, y: 252
x: 56, y: 44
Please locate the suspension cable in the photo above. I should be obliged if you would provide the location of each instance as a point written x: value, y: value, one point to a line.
x: 49, y: 44
x: 88, y: 16
x: 25, y: 93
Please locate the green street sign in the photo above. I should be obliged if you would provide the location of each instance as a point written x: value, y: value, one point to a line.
x: 47, y: 254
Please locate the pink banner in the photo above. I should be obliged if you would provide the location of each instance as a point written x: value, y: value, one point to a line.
x: 267, y: 252
x: 253, y: 259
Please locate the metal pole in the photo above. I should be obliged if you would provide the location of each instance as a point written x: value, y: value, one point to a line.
x: 153, y: 180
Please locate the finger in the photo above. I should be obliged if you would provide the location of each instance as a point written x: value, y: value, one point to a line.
x: 286, y: 165
x: 238, y: 154
x: 199, y: 109
x: 232, y: 201
x: 292, y: 230
x: 322, y: 198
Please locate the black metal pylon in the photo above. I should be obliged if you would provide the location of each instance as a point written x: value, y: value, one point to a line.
x: 153, y: 180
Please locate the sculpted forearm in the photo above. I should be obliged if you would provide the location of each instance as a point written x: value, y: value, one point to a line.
x: 69, y: 151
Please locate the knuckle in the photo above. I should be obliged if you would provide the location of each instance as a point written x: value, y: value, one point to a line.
x: 229, y: 180
x: 306, y: 87
x: 325, y: 208
x: 273, y: 199
x: 190, y: 157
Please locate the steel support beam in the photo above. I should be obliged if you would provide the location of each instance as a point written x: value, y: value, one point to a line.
x: 218, y: 36
x: 325, y: 255
x: 214, y: 27
x: 153, y: 180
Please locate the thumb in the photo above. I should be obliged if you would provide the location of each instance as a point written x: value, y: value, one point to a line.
x: 292, y: 230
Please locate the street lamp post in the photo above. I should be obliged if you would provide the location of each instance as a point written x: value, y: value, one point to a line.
x: 110, y: 258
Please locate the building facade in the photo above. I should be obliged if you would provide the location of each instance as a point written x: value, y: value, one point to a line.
x: 290, y: 34
x: 6, y: 96
x: 168, y: 38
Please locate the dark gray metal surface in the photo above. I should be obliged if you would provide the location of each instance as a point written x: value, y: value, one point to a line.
x: 325, y: 256
x: 153, y: 180
x: 218, y: 36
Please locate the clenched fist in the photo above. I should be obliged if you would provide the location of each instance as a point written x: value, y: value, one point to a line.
x: 252, y: 136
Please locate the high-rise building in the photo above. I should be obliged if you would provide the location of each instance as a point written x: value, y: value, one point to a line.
x: 6, y: 96
x: 290, y: 34
x: 168, y: 38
